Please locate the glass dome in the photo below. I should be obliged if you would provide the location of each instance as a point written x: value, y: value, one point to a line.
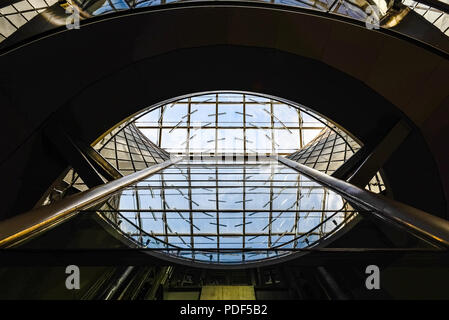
x: 229, y: 201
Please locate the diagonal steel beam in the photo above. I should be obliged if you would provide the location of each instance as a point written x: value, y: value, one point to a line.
x: 86, y: 161
x: 380, y: 154
x: 103, y: 166
x: 415, y: 220
x: 65, y: 147
x: 19, y: 227
x: 365, y: 163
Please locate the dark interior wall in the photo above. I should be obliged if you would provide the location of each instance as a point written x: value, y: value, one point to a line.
x: 436, y: 129
x: 45, y: 281
x: 94, y: 77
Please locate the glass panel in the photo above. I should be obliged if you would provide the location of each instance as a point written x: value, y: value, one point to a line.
x: 259, y: 125
x: 279, y: 209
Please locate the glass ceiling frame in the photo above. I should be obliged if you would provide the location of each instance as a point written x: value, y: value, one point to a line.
x: 218, y: 104
x: 133, y: 220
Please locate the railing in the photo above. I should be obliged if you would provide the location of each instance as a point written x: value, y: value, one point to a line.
x: 14, y: 230
x: 17, y: 228
x: 418, y: 221
x: 13, y: 17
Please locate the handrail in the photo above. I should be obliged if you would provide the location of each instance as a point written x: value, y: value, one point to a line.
x: 20, y: 226
x: 254, y: 3
x: 419, y: 221
x: 442, y: 6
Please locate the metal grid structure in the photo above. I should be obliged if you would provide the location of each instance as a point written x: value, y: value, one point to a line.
x: 15, y: 15
x: 329, y: 150
x: 222, y: 123
x: 129, y: 151
x: 125, y: 147
x: 216, y: 204
x: 254, y: 125
x: 353, y: 9
x: 110, y: 6
x: 436, y: 17
x: 258, y: 207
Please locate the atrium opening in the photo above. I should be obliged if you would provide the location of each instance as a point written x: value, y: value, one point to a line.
x: 196, y: 150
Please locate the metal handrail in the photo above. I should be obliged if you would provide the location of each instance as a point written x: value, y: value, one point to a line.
x: 407, y: 216
x: 26, y: 224
x: 443, y: 7
x: 23, y: 225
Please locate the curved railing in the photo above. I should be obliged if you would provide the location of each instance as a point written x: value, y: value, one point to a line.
x: 415, y: 220
x: 33, y: 19
x: 20, y: 227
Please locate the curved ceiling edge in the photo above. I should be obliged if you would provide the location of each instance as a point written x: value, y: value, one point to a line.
x: 376, y: 61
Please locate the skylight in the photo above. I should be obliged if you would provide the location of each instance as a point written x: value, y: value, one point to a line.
x: 223, y: 123
x: 200, y: 210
